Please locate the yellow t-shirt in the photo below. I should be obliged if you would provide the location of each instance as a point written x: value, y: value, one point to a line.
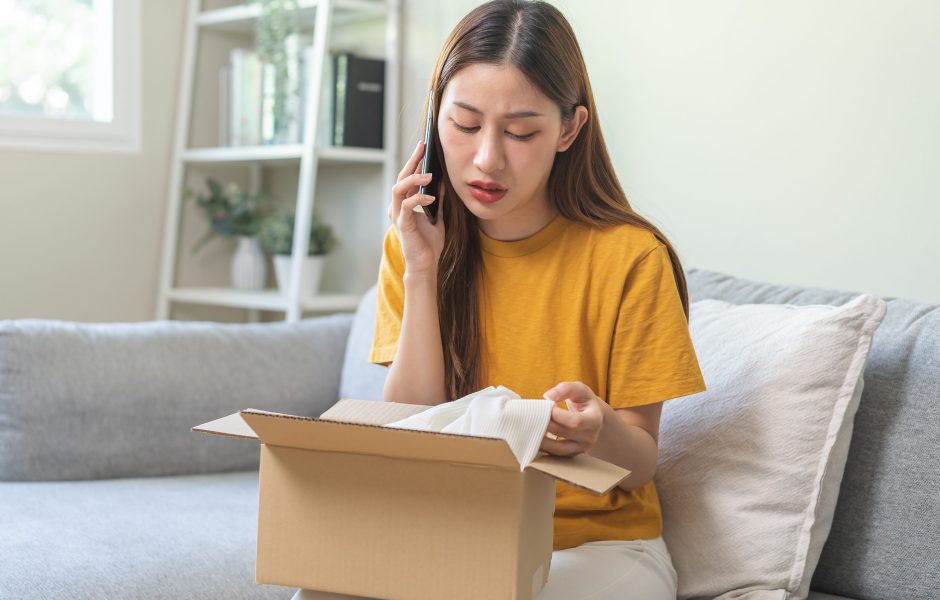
x: 574, y: 303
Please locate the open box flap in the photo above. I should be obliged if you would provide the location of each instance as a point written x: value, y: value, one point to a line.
x: 348, y: 410
x: 362, y: 438
x: 582, y: 470
x: 371, y: 412
x: 230, y: 426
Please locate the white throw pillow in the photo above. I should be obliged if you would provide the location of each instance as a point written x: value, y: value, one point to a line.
x: 749, y: 470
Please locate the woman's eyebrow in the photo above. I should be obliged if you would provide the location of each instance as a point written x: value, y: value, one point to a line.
x: 513, y: 115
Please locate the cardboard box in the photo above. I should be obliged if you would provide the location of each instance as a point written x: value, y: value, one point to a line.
x: 347, y: 505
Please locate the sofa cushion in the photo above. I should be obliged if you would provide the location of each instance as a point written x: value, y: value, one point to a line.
x: 182, y: 537
x: 886, y: 529
x: 99, y: 400
x: 749, y: 470
x: 362, y: 379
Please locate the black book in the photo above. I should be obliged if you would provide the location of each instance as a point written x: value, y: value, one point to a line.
x: 358, y: 101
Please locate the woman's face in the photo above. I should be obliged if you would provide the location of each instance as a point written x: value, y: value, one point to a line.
x: 495, y: 127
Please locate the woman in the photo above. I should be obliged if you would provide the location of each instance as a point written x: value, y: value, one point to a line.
x: 551, y: 286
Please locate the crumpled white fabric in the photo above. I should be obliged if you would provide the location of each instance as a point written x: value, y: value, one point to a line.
x: 491, y: 412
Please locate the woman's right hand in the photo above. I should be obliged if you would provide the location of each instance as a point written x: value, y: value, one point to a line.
x: 421, y: 242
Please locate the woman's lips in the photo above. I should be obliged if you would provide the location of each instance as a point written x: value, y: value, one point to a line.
x: 486, y: 195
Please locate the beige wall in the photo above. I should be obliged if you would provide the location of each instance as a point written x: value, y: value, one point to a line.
x: 792, y: 142
x: 80, y: 233
x: 786, y: 141
x: 795, y: 141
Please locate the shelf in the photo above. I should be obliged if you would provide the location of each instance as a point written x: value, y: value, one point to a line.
x: 282, y: 154
x: 241, y: 18
x: 350, y: 154
x: 268, y: 299
x: 232, y: 24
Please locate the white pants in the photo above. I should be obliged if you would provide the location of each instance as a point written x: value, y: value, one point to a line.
x: 605, y: 570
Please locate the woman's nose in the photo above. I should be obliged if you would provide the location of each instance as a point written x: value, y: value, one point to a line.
x: 489, y: 157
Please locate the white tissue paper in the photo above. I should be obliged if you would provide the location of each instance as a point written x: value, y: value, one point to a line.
x: 495, y: 412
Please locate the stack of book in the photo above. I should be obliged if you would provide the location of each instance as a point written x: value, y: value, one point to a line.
x: 351, y: 100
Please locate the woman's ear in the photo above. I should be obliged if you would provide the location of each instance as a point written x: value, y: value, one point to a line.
x: 571, y: 128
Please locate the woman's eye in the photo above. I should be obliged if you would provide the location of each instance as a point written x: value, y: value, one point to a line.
x: 522, y: 137
x: 513, y: 135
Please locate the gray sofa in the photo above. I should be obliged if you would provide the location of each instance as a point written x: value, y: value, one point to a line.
x: 106, y: 493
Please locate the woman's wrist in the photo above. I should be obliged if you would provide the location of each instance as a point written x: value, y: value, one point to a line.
x: 419, y: 278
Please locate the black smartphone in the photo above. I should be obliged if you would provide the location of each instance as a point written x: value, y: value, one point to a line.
x: 430, y: 165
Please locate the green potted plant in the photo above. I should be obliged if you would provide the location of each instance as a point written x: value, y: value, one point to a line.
x: 233, y: 212
x: 277, y: 238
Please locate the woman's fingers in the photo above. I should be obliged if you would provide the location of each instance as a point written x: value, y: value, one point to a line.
x: 413, y: 161
x: 555, y: 431
x: 403, y: 189
x: 580, y: 425
x: 406, y: 218
x: 568, y: 389
x: 560, y: 447
x: 400, y: 188
x: 563, y: 425
x: 565, y: 418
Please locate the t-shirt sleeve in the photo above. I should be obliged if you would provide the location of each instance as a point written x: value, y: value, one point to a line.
x: 652, y: 357
x: 390, y: 300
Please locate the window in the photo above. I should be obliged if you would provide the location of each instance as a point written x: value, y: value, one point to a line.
x: 70, y: 78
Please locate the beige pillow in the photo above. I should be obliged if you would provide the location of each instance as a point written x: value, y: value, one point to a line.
x: 749, y: 470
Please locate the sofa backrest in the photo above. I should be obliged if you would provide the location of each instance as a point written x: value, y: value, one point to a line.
x: 886, y: 530
x: 104, y: 400
x: 361, y: 379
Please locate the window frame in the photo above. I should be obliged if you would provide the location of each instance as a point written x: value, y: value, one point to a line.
x: 122, y: 134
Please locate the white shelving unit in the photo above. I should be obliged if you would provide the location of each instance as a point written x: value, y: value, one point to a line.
x: 319, y: 17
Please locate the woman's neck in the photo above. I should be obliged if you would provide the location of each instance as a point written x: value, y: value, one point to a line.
x: 519, y: 226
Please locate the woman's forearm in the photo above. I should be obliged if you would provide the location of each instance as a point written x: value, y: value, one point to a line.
x: 416, y: 375
x: 628, y: 446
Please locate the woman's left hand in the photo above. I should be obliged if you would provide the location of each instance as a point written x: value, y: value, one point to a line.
x: 580, y: 425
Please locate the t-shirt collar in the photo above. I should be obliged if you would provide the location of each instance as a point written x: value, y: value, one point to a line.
x: 528, y: 245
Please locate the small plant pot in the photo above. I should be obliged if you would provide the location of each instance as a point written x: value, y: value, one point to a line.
x: 311, y: 272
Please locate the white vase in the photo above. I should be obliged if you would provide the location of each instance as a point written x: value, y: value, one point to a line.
x: 249, y: 269
x: 311, y: 273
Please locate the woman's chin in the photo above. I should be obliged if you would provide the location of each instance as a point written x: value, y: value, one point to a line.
x: 481, y: 210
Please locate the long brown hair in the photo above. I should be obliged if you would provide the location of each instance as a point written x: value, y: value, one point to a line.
x: 536, y: 38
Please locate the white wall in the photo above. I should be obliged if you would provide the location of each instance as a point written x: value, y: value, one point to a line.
x: 791, y: 142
